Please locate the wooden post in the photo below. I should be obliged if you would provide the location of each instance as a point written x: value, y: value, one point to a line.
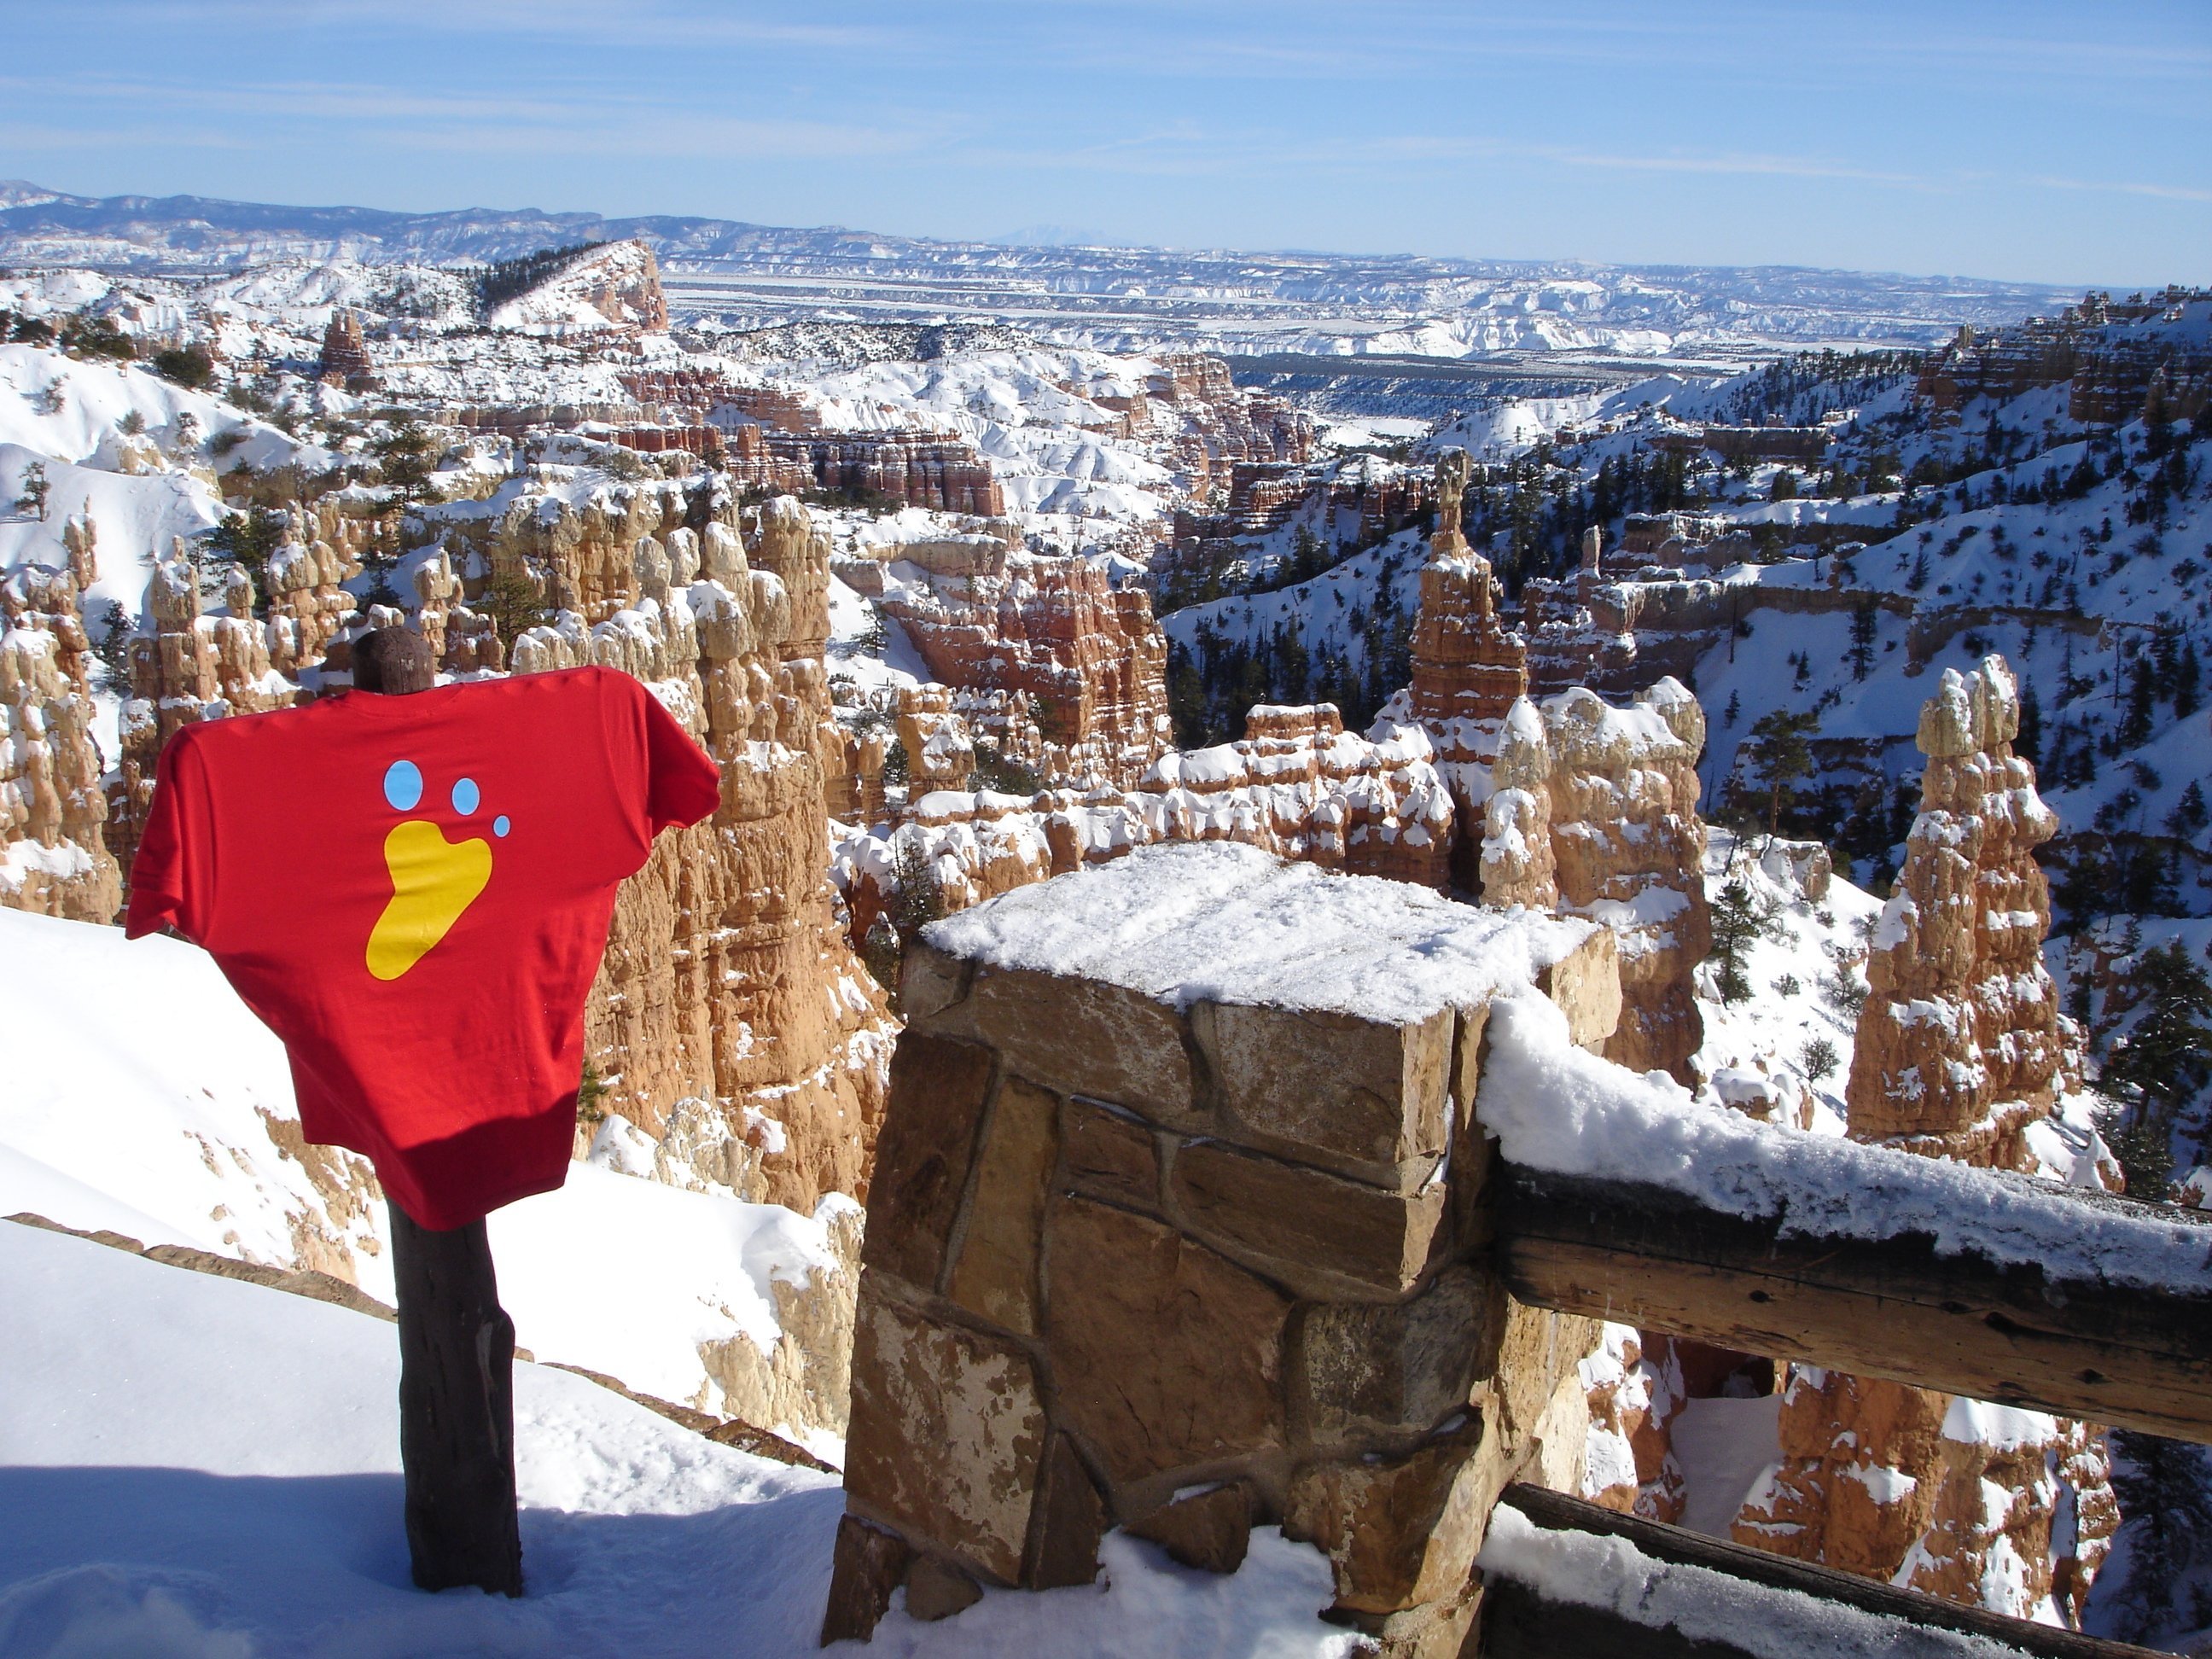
x: 456, y: 1343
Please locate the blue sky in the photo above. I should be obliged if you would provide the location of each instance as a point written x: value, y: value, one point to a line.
x: 2060, y: 143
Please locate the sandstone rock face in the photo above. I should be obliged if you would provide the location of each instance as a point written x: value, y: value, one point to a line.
x: 1976, y: 1504
x: 193, y: 667
x: 345, y: 360
x: 1468, y: 667
x: 939, y: 753
x: 725, y: 978
x: 1628, y: 850
x: 1221, y: 1244
x: 912, y: 469
x: 1632, y: 1388
x: 1593, y: 812
x: 1959, y: 1043
x: 1087, y: 656
x: 53, y: 853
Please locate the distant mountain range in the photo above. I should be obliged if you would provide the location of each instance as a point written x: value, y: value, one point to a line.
x: 728, y: 273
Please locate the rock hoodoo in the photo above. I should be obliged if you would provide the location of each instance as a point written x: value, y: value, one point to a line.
x: 53, y: 853
x: 1959, y: 1043
x: 1593, y: 813
x: 1957, y: 1056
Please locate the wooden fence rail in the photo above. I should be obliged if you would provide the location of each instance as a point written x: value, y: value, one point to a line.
x: 2052, y: 1335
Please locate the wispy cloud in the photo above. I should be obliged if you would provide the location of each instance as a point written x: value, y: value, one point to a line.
x: 555, y: 121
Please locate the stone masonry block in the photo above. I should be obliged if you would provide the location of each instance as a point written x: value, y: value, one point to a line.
x: 947, y: 1436
x: 994, y: 1275
x: 938, y: 1088
x: 930, y: 983
x: 1536, y: 1350
x: 1401, y: 1531
x: 1472, y: 1152
x: 937, y: 1589
x: 1323, y: 1236
x: 1165, y: 1355
x: 1084, y: 1037
x: 1072, y: 1518
x: 1108, y: 1154
x: 866, y: 1567
x: 1368, y: 1372
x: 1331, y: 1088
x: 1209, y: 1529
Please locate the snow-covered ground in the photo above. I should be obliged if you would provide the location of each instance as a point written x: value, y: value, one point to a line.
x: 196, y: 1468
x: 143, y: 1097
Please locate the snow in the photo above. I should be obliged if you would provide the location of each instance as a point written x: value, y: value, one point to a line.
x: 2005, y: 1428
x: 207, y: 1469
x: 1217, y: 922
x: 1558, y: 1108
x: 143, y: 1097
x: 1726, y: 1448
x: 1585, y: 1570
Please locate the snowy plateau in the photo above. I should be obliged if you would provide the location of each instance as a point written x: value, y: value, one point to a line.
x: 978, y: 566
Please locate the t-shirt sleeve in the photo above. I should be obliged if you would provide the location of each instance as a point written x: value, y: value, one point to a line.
x: 683, y: 785
x: 172, y: 876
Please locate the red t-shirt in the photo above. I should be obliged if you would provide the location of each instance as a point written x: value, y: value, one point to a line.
x: 413, y: 892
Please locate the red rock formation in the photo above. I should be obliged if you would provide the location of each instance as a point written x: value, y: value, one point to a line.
x: 727, y: 986
x: 912, y: 469
x: 939, y: 753
x: 345, y: 361
x: 1959, y: 1043
x: 1089, y: 657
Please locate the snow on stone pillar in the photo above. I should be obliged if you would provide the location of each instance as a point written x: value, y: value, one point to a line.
x: 1175, y: 1226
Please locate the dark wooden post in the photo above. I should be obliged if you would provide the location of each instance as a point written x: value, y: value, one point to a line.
x: 456, y: 1342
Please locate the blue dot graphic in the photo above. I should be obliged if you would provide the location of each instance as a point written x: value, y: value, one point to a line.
x: 500, y: 826
x: 465, y: 798
x: 403, y: 786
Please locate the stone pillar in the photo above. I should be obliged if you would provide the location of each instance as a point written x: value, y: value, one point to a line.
x: 1164, y: 1240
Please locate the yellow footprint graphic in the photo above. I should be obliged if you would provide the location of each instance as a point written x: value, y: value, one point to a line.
x: 433, y: 880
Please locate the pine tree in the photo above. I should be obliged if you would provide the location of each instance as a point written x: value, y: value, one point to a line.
x: 2155, y: 1069
x: 2164, y: 1493
x: 246, y: 540
x: 112, y: 649
x: 1740, y: 919
x: 511, y: 601
x: 1779, y: 747
x: 36, y: 491
x: 920, y: 899
x: 2189, y: 817
x: 2186, y: 673
x: 1863, y: 638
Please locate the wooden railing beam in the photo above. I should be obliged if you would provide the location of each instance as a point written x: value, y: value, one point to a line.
x: 2028, y: 1334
